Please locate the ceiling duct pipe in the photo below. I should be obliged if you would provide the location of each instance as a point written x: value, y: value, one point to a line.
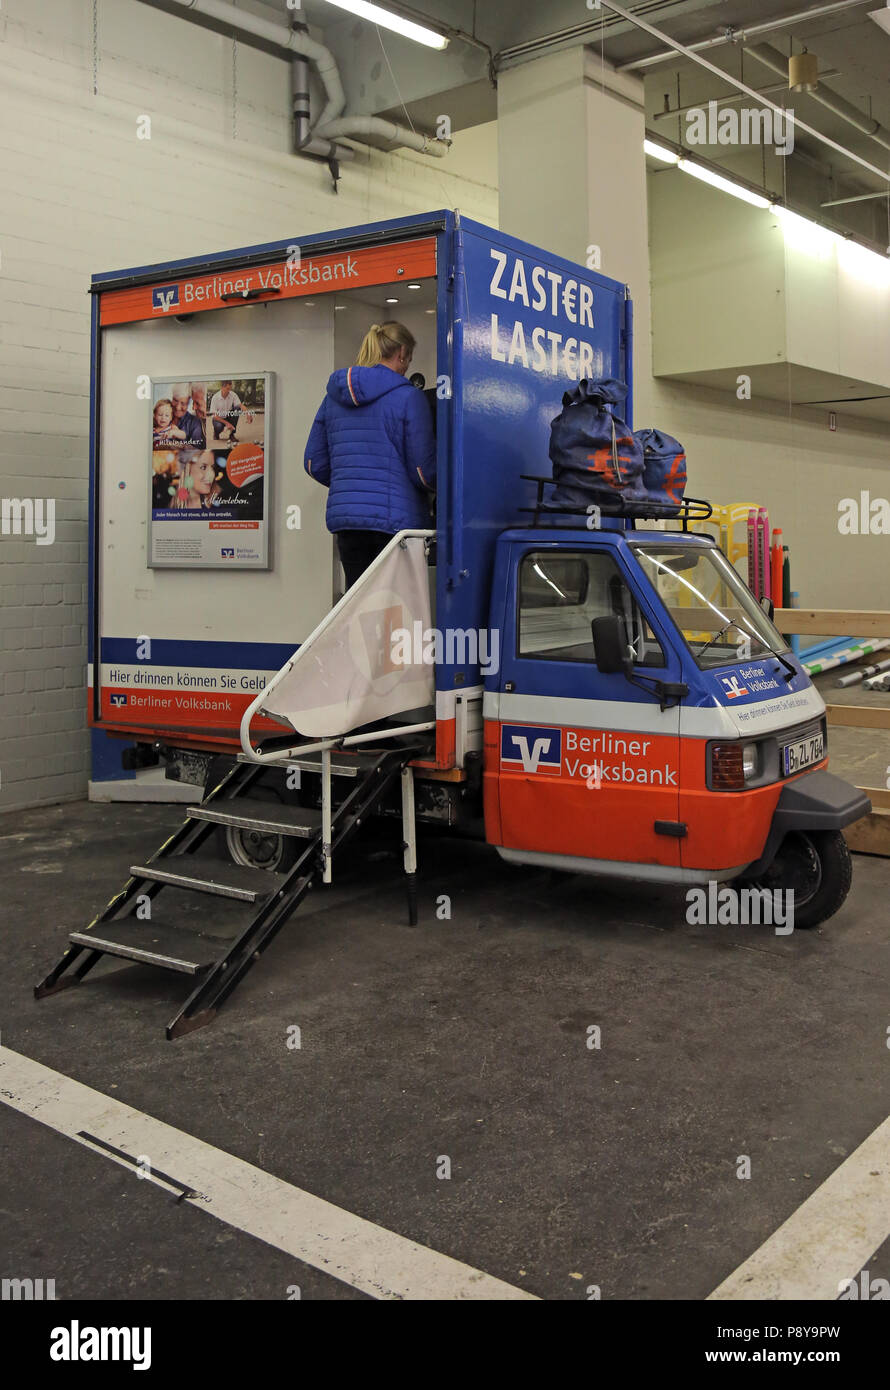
x: 772, y: 58
x: 297, y: 41
x: 376, y: 127
x: 302, y: 138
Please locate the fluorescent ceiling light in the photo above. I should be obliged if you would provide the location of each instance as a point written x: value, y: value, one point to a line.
x: 375, y: 14
x: 659, y: 152
x: 864, y: 264
x: 726, y: 185
x: 803, y: 235
x: 881, y: 18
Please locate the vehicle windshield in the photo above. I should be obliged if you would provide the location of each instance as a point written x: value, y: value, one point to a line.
x: 717, y: 614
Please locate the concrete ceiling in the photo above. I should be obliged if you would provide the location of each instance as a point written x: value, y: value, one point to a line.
x: 384, y: 74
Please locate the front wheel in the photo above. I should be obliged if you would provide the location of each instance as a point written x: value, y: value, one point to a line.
x: 816, y: 866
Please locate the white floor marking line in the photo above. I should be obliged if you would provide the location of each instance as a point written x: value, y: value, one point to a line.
x: 370, y: 1258
x: 829, y: 1238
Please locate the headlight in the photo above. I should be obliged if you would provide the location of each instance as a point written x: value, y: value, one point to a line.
x: 733, y: 765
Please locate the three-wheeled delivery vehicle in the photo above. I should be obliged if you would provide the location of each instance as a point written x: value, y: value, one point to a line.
x: 588, y: 692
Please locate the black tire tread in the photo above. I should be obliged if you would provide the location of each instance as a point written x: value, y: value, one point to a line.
x: 837, y: 876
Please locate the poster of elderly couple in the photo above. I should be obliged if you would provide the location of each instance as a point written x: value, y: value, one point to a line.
x: 209, y: 485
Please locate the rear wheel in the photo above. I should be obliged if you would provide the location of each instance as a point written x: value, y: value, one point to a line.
x: 816, y: 866
x: 258, y: 849
x: 252, y: 847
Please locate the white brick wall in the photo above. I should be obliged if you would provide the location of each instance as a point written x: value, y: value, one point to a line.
x: 82, y: 194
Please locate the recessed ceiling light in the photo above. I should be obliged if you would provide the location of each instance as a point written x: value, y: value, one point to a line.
x: 392, y: 301
x: 430, y: 311
x: 415, y: 287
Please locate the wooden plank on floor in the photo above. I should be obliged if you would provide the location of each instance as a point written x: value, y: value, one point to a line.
x: 859, y: 716
x: 870, y: 835
x: 834, y: 622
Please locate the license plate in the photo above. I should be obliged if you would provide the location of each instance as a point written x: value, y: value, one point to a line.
x: 803, y: 754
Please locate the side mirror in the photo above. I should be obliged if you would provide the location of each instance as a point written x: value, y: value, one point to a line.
x: 768, y: 607
x: 609, y: 645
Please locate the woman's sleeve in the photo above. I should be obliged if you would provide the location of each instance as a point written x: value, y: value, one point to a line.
x: 420, y: 442
x: 317, y: 460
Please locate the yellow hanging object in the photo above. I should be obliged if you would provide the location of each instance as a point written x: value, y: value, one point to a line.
x: 803, y: 72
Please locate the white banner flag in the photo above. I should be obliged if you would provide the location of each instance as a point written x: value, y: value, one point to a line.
x: 363, y: 664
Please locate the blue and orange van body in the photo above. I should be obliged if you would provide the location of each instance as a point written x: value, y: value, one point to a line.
x: 587, y: 771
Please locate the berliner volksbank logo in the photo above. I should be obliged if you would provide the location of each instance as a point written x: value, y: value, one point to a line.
x: 532, y: 748
x: 733, y: 687
x: 165, y: 298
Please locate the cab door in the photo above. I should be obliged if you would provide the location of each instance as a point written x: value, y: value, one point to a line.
x: 581, y: 764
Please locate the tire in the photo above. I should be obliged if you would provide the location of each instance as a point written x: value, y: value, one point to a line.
x: 816, y: 864
x: 251, y: 849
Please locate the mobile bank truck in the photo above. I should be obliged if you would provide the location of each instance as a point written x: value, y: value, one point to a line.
x: 587, y: 693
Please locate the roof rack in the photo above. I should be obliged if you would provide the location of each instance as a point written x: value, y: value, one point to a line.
x: 690, y: 509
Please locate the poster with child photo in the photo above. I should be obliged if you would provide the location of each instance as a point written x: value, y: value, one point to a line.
x: 209, y: 484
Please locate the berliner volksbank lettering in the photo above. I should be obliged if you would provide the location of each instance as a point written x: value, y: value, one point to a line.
x: 277, y: 278
x: 639, y: 770
x: 563, y: 751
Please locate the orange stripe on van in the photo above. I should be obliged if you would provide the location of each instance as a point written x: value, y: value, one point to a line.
x: 278, y: 279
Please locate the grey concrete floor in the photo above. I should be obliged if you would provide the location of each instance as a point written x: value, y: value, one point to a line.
x: 467, y: 1037
x: 861, y: 755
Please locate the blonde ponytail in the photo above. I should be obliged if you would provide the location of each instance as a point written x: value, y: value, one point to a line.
x: 383, y: 340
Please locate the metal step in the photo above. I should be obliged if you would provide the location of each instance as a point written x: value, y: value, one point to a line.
x: 153, y: 943
x: 204, y: 876
x: 300, y: 821
x: 342, y: 764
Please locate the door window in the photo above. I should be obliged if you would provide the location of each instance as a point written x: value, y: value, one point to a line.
x: 559, y: 596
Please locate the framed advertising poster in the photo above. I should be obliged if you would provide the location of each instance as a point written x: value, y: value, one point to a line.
x: 209, y: 505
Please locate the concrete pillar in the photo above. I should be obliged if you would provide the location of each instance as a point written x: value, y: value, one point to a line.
x: 572, y: 175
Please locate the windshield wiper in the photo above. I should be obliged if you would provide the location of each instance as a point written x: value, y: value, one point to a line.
x: 718, y: 635
x: 790, y: 672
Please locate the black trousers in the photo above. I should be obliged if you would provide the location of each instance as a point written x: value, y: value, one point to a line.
x: 357, y: 550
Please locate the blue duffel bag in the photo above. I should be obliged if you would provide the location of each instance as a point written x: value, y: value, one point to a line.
x: 596, y: 458
x: 664, y: 470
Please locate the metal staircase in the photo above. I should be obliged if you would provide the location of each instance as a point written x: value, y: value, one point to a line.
x: 214, y: 947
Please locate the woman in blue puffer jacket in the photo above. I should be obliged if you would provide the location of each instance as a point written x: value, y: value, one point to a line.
x: 372, y: 445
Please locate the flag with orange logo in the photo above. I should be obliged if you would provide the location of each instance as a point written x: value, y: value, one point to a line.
x: 357, y: 668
